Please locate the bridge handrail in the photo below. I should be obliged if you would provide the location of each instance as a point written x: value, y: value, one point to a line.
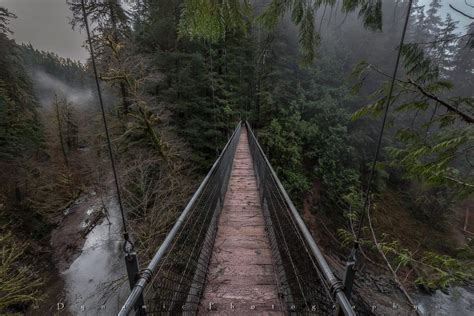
x: 147, y: 273
x: 334, y: 284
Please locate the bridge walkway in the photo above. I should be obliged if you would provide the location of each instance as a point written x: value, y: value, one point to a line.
x: 241, y: 278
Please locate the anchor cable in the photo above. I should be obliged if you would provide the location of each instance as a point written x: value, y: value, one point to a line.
x: 384, y: 121
x: 109, y: 143
x: 355, y: 247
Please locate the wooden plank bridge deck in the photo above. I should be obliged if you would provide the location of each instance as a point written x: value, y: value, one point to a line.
x: 241, y: 279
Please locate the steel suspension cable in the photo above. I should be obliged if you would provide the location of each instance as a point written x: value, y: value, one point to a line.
x: 353, y: 256
x: 109, y: 143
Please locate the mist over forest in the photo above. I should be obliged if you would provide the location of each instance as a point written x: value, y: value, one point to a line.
x: 312, y: 78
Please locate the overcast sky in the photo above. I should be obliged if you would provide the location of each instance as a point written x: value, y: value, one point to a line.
x: 458, y: 4
x: 44, y: 23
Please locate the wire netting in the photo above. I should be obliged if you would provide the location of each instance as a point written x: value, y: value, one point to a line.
x: 177, y: 283
x: 301, y: 283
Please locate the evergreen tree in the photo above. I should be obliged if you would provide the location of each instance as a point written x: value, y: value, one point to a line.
x: 110, y: 29
x: 432, y: 156
x: 64, y: 69
x: 417, y: 33
x: 445, y: 50
x: 205, y: 84
x: 20, y: 132
x: 433, y: 25
x: 464, y: 63
x: 20, y: 139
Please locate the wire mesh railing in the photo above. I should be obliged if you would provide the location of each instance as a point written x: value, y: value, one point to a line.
x: 174, y: 279
x: 306, y: 282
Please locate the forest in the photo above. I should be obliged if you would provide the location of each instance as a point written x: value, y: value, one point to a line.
x: 311, y: 76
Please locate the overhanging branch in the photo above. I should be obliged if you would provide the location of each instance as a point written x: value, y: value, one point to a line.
x: 464, y: 116
x: 460, y: 12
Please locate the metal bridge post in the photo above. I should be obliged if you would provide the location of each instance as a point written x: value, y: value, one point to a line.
x: 349, y: 274
x: 131, y: 261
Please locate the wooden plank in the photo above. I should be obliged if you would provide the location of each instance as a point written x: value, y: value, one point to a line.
x: 241, y: 272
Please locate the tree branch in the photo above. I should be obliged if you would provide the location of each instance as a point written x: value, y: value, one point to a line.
x: 452, y: 38
x: 466, y: 117
x: 460, y: 182
x: 460, y: 12
x: 389, y: 266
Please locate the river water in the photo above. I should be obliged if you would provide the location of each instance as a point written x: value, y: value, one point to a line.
x: 459, y: 302
x: 95, y: 281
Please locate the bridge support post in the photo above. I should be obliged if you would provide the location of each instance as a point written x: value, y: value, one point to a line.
x: 349, y: 274
x: 131, y: 261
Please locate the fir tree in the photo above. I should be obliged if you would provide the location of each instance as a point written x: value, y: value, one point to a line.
x: 464, y: 63
x: 432, y: 26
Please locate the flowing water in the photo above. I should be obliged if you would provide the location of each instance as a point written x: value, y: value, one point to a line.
x: 459, y: 302
x: 95, y: 283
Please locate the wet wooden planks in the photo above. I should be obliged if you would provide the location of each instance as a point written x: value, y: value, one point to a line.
x: 241, y: 279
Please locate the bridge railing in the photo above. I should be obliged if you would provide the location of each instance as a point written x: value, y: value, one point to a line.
x: 174, y: 279
x: 306, y: 282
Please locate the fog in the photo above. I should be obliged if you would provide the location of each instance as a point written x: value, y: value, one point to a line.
x: 47, y: 86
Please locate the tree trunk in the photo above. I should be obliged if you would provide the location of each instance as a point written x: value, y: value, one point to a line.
x: 123, y: 88
x: 60, y: 131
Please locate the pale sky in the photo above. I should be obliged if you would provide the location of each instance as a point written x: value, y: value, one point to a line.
x: 458, y: 4
x: 44, y: 23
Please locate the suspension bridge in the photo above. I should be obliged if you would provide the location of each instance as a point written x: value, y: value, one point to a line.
x: 239, y: 247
